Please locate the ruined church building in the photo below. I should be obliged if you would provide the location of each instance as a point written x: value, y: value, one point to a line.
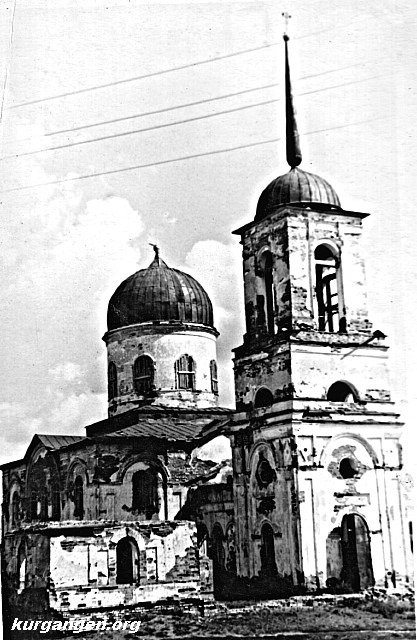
x: 312, y: 499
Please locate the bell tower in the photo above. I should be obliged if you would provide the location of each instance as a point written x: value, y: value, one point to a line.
x: 316, y: 437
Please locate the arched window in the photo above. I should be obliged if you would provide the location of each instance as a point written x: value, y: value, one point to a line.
x: 213, y: 377
x: 263, y: 398
x: 143, y: 374
x: 269, y: 293
x: 56, y: 501
x: 268, y: 564
x: 327, y: 289
x: 15, y: 508
x: 145, y: 492
x: 342, y: 392
x: 185, y: 373
x: 218, y: 546
x: 34, y: 506
x: 127, y: 562
x: 78, y: 497
x: 21, y: 567
x: 112, y: 381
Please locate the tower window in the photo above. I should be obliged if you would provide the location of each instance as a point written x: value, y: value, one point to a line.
x: 143, y: 374
x: 112, y: 381
x: 327, y: 286
x: 269, y: 293
x: 342, y: 392
x: 213, y: 377
x: 263, y: 398
x: 185, y: 373
x: 15, y: 508
x: 145, y: 493
x: 78, y: 498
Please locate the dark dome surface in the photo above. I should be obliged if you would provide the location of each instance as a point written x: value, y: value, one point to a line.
x: 159, y: 293
x: 296, y: 187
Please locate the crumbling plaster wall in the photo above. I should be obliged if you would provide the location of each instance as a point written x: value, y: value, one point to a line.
x: 315, y: 367
x: 374, y: 494
x: 273, y: 502
x: 164, y: 344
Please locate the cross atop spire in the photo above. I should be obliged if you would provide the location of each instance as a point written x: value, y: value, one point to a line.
x: 287, y: 18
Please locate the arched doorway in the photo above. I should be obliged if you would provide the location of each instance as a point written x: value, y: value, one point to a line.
x: 268, y: 564
x: 357, y: 572
x: 126, y: 561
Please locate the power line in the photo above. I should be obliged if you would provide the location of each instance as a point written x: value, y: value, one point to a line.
x: 151, y: 113
x: 144, y: 76
x: 152, y: 128
x: 175, y: 123
x: 164, y: 71
x: 6, y: 74
x: 184, y: 105
x: 181, y: 158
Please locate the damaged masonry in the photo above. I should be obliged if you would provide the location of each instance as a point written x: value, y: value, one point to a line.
x: 312, y: 496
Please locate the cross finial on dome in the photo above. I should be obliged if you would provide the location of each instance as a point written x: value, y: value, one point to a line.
x: 156, y: 249
x: 294, y: 156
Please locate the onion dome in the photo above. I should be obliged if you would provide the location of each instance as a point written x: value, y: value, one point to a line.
x: 297, y: 187
x: 159, y: 293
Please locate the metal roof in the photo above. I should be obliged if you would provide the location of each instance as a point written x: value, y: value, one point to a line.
x: 57, y: 442
x: 167, y: 427
x: 296, y: 187
x: 159, y: 293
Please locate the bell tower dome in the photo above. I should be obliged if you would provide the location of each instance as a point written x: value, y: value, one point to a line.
x: 161, y: 341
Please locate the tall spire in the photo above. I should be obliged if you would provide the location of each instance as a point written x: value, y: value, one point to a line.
x: 294, y: 156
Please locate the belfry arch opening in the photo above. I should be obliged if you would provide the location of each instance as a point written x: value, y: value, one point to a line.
x: 266, y: 301
x: 328, y: 289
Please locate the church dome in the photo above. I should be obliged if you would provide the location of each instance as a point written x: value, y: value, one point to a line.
x: 297, y: 187
x: 159, y: 293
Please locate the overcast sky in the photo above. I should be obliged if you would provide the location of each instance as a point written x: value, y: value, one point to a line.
x: 65, y: 247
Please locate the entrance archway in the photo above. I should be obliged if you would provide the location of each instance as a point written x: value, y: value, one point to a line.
x: 126, y: 561
x: 357, y: 572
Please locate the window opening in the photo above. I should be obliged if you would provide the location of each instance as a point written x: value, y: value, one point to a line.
x: 263, y: 398
x: 112, y: 381
x: 145, y: 493
x: 268, y: 564
x: 78, y: 497
x: 213, y: 377
x: 143, y: 374
x: 185, y: 373
x: 327, y: 288
x: 269, y: 293
x: 127, y: 562
x: 15, y: 508
x: 21, y: 567
x: 56, y: 502
x: 341, y: 392
x: 348, y: 468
